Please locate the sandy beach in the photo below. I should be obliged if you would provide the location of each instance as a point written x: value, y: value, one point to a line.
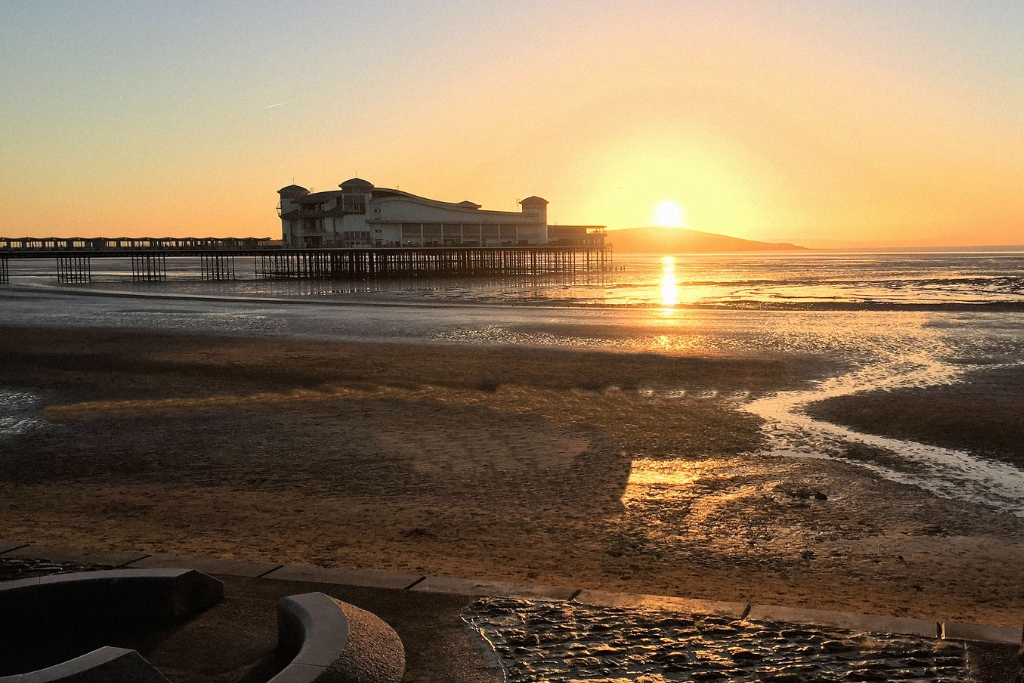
x: 537, y: 465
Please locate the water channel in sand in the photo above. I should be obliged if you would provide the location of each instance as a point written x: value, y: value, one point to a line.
x: 946, y: 472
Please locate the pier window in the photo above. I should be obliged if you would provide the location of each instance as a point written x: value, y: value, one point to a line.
x: 491, y: 235
x: 472, y: 235
x: 352, y: 203
x: 452, y: 234
x: 529, y: 235
x: 432, y: 234
x: 412, y: 234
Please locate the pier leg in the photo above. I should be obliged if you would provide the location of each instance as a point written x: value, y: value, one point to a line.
x: 5, y: 274
x: 217, y: 266
x: 458, y: 262
x: 74, y: 269
x: 281, y: 266
x: 149, y: 267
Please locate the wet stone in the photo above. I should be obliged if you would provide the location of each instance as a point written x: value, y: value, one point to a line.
x: 745, y: 655
x: 17, y: 568
x: 949, y: 661
x: 576, y: 642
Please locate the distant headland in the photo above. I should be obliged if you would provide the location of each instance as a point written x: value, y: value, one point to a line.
x: 656, y: 240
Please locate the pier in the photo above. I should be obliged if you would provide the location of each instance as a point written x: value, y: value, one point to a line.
x: 218, y: 259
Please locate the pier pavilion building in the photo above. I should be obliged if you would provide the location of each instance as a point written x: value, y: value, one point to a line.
x: 361, y: 215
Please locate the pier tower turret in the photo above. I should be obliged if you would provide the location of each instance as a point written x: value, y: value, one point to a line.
x: 288, y: 210
x: 537, y: 208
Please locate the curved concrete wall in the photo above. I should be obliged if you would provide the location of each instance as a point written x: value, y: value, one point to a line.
x: 334, y: 642
x: 105, y: 665
x: 54, y: 619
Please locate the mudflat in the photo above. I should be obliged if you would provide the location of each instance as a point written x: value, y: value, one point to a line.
x: 983, y: 414
x: 630, y: 472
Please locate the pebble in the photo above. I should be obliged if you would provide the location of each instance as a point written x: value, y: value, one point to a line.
x: 619, y: 644
x: 16, y: 568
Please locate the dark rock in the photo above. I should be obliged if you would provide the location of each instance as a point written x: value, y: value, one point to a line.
x: 796, y: 633
x: 781, y: 678
x: 674, y: 657
x: 866, y: 675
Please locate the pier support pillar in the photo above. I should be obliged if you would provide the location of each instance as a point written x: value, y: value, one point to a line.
x: 277, y: 266
x: 149, y: 267
x: 74, y: 269
x: 5, y: 274
x: 217, y: 266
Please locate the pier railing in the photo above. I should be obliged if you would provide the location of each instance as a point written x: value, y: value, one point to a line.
x: 26, y: 245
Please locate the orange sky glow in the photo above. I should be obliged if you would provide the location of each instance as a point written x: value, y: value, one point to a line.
x: 821, y: 123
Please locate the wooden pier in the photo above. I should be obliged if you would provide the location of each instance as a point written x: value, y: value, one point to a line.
x: 217, y: 259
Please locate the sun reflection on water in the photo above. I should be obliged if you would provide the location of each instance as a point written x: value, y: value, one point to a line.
x: 669, y: 288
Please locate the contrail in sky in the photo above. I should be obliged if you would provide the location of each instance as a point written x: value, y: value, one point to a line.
x: 280, y: 104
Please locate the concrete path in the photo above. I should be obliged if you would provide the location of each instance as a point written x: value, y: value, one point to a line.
x: 234, y: 641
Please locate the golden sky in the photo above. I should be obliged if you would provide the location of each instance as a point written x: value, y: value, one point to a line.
x: 816, y: 122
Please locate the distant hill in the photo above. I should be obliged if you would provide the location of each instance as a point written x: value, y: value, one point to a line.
x: 682, y: 241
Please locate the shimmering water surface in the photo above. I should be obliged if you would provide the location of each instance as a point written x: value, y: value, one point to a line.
x: 734, y: 280
x: 889, y: 320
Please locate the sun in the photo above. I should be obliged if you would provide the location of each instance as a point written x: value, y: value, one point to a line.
x: 668, y: 214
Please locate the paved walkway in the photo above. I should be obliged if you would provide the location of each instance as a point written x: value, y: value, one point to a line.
x: 561, y: 642
x: 546, y: 633
x: 235, y: 640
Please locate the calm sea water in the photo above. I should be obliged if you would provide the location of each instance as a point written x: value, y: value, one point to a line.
x: 812, y: 280
x: 890, y: 320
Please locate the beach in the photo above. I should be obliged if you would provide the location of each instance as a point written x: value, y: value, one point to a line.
x: 563, y: 466
x: 982, y: 413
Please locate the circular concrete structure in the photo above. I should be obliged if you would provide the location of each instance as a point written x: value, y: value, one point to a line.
x: 55, y: 628
x: 335, y: 642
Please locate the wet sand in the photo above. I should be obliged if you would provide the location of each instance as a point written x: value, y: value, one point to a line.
x: 984, y: 414
x: 545, y: 466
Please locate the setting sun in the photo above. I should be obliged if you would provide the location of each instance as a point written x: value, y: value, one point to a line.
x: 668, y: 214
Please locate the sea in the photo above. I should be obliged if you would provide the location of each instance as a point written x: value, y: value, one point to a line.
x: 884, y: 320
